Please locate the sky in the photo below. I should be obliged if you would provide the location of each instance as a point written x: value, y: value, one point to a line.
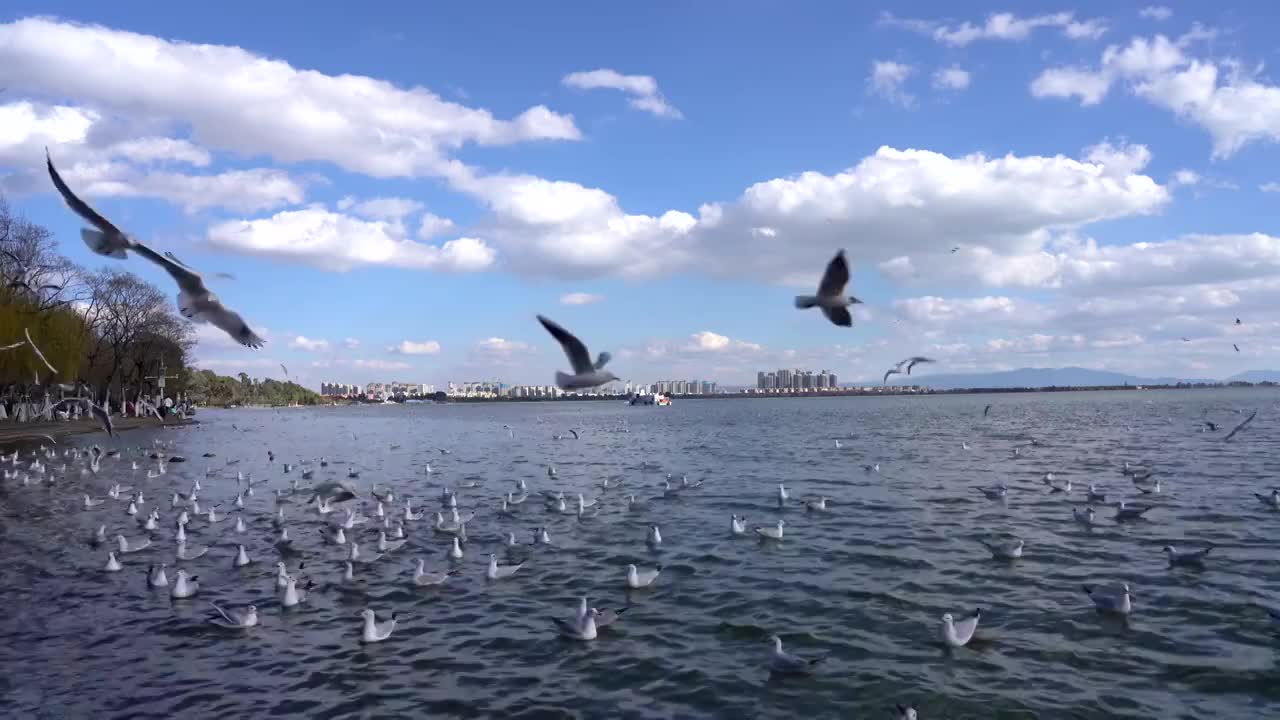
x: 397, y: 193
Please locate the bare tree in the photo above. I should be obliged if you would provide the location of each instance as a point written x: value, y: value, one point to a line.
x: 30, y: 266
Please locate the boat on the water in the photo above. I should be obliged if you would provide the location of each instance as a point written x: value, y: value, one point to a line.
x: 658, y: 399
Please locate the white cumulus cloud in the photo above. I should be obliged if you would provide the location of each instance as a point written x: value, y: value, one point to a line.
x: 301, y: 342
x: 642, y: 89
x: 411, y: 347
x: 951, y: 78
x: 998, y: 26
x: 887, y: 79
x: 339, y: 242
x: 1234, y: 106
x: 580, y: 298
x: 238, y: 101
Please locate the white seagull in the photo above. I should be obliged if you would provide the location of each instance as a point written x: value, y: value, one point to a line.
x: 585, y: 373
x: 637, y: 579
x: 233, y: 620
x: 184, y: 586
x: 1194, y: 558
x: 497, y: 572
x: 1010, y: 550
x: 771, y: 533
x: 959, y: 633
x: 374, y: 631
x: 831, y: 298
x: 781, y: 661
x: 195, y: 302
x: 1119, y: 603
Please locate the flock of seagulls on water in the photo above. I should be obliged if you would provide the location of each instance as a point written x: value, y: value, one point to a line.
x: 342, y: 516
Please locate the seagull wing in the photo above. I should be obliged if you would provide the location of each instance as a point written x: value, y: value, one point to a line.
x: 579, y: 358
x: 189, y: 281
x: 912, y: 362
x: 1240, y: 427
x: 80, y: 207
x: 839, y: 316
x: 39, y: 354
x: 225, y: 616
x: 603, y: 359
x: 835, y: 278
x: 234, y: 325
x: 891, y: 371
x: 103, y: 419
x: 965, y: 627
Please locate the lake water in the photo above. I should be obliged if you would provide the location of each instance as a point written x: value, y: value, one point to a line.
x: 864, y: 585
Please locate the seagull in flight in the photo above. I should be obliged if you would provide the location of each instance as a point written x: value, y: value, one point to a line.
x: 195, y: 302
x: 915, y: 360
x: 831, y: 297
x: 585, y: 373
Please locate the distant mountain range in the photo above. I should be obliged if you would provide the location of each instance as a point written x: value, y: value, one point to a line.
x: 1055, y: 377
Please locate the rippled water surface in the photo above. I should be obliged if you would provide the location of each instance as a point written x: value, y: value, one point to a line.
x: 864, y: 585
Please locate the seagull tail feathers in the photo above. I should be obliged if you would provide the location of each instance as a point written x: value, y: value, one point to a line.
x: 101, y: 244
x: 806, y: 301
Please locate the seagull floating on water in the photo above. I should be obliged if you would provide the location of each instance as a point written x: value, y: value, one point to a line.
x: 771, y: 533
x: 1010, y: 550
x: 781, y: 661
x: 1119, y: 603
x: 184, y: 586
x: 958, y: 633
x: 373, y: 631
x: 498, y: 572
x: 637, y: 579
x: 233, y: 620
x: 1194, y: 558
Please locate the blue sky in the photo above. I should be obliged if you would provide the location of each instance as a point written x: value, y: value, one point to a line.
x: 1104, y: 171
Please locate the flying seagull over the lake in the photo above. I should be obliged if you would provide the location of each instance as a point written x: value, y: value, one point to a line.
x: 915, y: 360
x: 986, y: 410
x: 585, y: 373
x: 1241, y: 426
x: 195, y: 302
x: 1237, y: 321
x: 285, y: 369
x: 831, y: 297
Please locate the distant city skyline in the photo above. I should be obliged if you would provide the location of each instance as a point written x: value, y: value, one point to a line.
x: 796, y: 379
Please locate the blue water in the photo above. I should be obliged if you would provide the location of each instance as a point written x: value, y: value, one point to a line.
x: 864, y: 585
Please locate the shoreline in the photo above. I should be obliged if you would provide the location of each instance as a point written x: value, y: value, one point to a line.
x: 13, y: 433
